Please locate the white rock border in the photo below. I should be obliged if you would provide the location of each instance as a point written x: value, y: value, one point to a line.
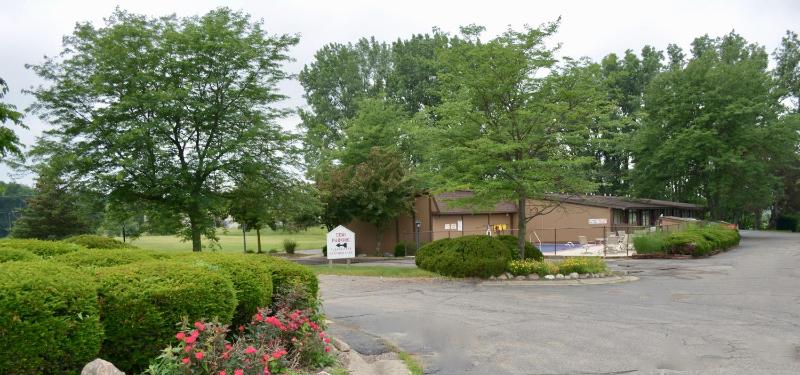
x: 572, y: 276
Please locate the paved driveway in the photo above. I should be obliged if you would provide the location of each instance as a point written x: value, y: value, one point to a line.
x: 734, y: 313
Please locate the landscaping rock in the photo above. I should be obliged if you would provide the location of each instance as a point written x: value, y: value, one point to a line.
x: 340, y: 345
x: 559, y: 277
x: 492, y: 278
x: 573, y: 275
x: 533, y: 276
x: 519, y: 278
x: 509, y: 276
x: 584, y: 276
x: 550, y: 277
x: 100, y: 367
x: 502, y: 277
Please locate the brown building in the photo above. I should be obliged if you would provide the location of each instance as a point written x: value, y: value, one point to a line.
x: 559, y: 219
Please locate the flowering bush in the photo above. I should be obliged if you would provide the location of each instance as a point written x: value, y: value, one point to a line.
x: 273, y: 342
x: 529, y: 266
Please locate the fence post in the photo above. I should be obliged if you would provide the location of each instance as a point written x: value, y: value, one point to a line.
x: 605, y: 245
x: 555, y: 241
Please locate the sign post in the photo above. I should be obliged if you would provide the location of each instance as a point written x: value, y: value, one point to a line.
x: 341, y: 244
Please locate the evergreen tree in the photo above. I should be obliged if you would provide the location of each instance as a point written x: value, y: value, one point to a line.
x: 50, y: 213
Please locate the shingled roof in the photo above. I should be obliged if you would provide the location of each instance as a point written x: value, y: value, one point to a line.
x: 623, y: 203
x: 442, y: 207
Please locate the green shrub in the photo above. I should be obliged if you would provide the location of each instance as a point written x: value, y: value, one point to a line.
x: 582, y: 265
x: 788, y: 222
x: 142, y: 302
x: 531, y: 251
x: 689, y: 242
x: 273, y: 251
x: 289, y: 245
x: 10, y: 255
x: 468, y: 256
x: 252, y: 281
x: 91, y: 241
x: 650, y: 243
x: 325, y: 250
x: 49, y: 319
x: 99, y: 258
x: 404, y: 247
x: 42, y: 248
x: 286, y: 274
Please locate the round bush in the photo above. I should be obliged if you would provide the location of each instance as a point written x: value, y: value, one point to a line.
x: 286, y: 274
x: 252, y: 280
x: 103, y: 258
x: 468, y: 256
x: 44, y: 249
x: 49, y: 319
x: 91, y: 241
x: 10, y: 255
x: 531, y: 251
x: 142, y: 302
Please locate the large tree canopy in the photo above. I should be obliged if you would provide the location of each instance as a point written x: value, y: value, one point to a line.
x: 511, y: 120
x: 9, y: 142
x: 711, y: 133
x: 167, y: 111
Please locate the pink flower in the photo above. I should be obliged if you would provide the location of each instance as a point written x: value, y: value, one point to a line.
x: 228, y: 346
x: 327, y: 349
x: 259, y: 317
x: 222, y: 373
x: 199, y: 356
x: 188, y: 348
x: 241, y: 328
x: 322, y: 335
x: 279, y: 354
x: 180, y: 336
x: 200, y: 326
x: 238, y: 371
x: 266, y: 371
x: 250, y: 350
x: 185, y: 360
x: 190, y: 339
x: 327, y: 340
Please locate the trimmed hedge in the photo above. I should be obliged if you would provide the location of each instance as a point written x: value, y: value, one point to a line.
x: 49, y: 319
x: 91, y: 241
x: 694, y: 241
x: 252, y: 280
x: 285, y: 274
x: 531, y: 251
x: 468, y: 256
x: 42, y: 248
x: 142, y: 302
x: 99, y: 258
x: 10, y: 255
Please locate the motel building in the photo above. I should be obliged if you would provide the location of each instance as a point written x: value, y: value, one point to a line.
x: 559, y: 219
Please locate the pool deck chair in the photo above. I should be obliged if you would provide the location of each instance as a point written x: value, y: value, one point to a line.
x: 612, y: 244
x: 585, y: 243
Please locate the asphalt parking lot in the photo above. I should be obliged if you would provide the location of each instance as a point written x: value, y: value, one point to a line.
x: 735, y: 313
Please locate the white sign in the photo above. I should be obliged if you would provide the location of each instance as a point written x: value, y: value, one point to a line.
x: 598, y: 221
x: 341, y: 243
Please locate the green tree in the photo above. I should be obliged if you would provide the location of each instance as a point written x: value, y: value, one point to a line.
x: 503, y: 130
x: 710, y: 133
x: 377, y: 191
x: 168, y: 111
x: 9, y: 142
x: 51, y: 213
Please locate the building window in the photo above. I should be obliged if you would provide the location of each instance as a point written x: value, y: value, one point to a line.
x: 646, y: 218
x: 618, y: 217
x: 632, y: 218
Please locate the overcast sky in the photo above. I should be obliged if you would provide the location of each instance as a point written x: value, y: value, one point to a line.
x: 31, y: 29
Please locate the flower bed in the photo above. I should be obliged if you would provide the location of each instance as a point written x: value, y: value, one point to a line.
x: 579, y: 265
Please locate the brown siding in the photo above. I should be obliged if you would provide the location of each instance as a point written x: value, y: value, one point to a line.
x: 570, y: 221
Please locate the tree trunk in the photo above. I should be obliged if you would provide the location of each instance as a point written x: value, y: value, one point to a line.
x: 258, y: 237
x: 523, y: 220
x: 123, y: 234
x: 196, y: 232
x: 378, y: 241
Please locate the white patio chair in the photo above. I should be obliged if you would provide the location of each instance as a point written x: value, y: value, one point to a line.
x: 585, y: 243
x: 612, y: 244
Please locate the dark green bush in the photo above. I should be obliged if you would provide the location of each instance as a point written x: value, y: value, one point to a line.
x: 91, y: 241
x: 468, y: 256
x: 531, y: 251
x: 286, y: 274
x: 325, y: 250
x: 10, y: 255
x: 42, y: 248
x: 689, y: 242
x: 404, y: 247
x: 695, y: 241
x: 252, y: 281
x: 788, y: 222
x: 289, y: 246
x: 99, y: 258
x: 142, y: 302
x: 49, y: 319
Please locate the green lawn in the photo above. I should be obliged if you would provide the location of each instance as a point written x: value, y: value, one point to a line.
x: 312, y: 238
x: 385, y: 271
